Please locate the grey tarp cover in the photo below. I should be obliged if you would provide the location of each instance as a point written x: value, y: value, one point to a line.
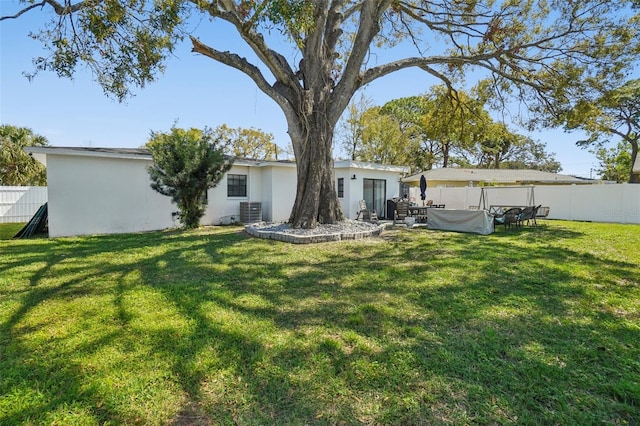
x: 475, y: 221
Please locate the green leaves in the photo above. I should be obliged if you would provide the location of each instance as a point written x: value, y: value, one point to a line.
x: 605, y: 114
x: 615, y: 163
x: 186, y: 164
x: 247, y: 143
x: 16, y: 166
x: 439, y: 128
x: 124, y: 43
x: 296, y: 16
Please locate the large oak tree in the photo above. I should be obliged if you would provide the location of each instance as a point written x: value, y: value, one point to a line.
x: 539, y: 48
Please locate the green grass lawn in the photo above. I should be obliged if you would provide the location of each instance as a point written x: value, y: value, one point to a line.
x: 8, y: 230
x: 532, y: 326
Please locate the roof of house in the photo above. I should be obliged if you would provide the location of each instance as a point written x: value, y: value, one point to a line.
x: 40, y: 153
x: 503, y: 176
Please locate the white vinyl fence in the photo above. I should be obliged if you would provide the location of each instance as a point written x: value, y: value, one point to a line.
x: 618, y: 203
x: 19, y: 203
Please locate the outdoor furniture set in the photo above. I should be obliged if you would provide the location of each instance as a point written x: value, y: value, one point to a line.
x: 404, y: 209
x: 509, y: 215
x: 408, y: 214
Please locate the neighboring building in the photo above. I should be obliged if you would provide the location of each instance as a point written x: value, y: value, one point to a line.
x: 107, y: 190
x: 454, y: 177
x: 636, y: 166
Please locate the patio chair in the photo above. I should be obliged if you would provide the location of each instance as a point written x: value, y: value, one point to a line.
x: 542, y: 213
x: 402, y: 211
x: 508, y: 217
x: 528, y: 214
x: 366, y: 213
x: 421, y: 214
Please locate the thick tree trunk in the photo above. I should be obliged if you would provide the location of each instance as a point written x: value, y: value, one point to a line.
x: 316, y: 198
x: 445, y: 155
x: 634, y: 177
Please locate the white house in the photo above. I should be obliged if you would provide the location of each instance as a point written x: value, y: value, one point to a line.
x: 107, y: 190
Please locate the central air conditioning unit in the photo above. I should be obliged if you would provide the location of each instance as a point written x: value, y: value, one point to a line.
x: 250, y: 212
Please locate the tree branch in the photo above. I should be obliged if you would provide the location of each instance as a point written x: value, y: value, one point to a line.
x: 275, y: 62
x: 368, y: 26
x: 26, y: 9
x: 241, y: 64
x: 58, y: 8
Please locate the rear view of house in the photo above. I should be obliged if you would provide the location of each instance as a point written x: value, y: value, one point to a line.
x: 107, y: 190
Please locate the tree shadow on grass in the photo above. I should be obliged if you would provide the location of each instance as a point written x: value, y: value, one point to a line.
x: 413, y: 328
x: 39, y: 365
x: 344, y: 305
x: 546, y: 292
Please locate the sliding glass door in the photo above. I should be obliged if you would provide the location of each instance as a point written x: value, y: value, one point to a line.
x: 374, y: 194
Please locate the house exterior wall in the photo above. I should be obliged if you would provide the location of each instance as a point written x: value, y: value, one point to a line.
x: 354, y: 188
x: 114, y: 196
x: 103, y: 196
x: 221, y: 208
x: 346, y: 201
x: 267, y: 194
x: 279, y: 188
x: 273, y: 186
x: 280, y: 193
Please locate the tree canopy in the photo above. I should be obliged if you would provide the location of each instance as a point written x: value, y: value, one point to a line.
x: 533, y: 50
x: 613, y: 113
x: 615, y: 162
x: 440, y: 129
x: 16, y: 166
x: 247, y: 143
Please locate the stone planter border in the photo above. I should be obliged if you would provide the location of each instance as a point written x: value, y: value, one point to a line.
x: 258, y: 230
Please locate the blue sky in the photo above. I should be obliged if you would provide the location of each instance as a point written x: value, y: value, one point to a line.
x: 194, y: 90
